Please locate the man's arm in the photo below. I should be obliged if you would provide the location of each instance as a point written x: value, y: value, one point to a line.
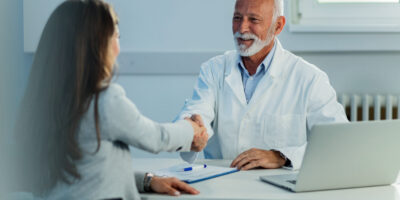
x: 202, y: 103
x: 203, y: 99
x: 322, y: 107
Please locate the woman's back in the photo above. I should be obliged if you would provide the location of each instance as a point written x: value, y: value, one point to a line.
x: 107, y: 173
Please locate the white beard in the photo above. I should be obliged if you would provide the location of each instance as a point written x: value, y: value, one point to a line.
x: 257, y: 45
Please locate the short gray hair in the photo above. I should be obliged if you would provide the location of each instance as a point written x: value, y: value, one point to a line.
x: 278, y: 9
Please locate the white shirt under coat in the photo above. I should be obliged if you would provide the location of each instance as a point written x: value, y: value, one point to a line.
x: 289, y: 100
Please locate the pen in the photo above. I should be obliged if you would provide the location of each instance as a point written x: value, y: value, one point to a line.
x: 194, y: 168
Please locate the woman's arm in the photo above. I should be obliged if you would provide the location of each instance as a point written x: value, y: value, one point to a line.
x: 122, y: 121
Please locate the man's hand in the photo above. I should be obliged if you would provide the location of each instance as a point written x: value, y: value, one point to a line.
x: 171, y: 186
x: 254, y: 158
x: 200, y: 136
x: 197, y: 119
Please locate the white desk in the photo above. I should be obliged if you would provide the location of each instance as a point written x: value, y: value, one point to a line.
x: 247, y: 185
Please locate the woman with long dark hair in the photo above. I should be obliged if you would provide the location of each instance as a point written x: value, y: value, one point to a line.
x: 75, y: 126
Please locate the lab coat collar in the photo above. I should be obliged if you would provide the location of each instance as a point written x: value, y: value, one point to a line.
x: 233, y: 76
x: 278, y: 66
x: 265, y: 63
x: 275, y: 69
x: 278, y: 62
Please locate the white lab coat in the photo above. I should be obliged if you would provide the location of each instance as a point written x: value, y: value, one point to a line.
x: 293, y: 96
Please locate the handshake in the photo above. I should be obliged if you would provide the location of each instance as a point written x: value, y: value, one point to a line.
x: 200, y: 136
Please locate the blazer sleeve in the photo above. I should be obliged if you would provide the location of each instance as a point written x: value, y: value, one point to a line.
x: 124, y: 122
x: 139, y: 179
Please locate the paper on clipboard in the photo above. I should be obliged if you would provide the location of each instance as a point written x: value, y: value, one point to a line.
x: 195, y: 175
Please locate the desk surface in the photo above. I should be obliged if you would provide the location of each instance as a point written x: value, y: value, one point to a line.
x: 247, y: 185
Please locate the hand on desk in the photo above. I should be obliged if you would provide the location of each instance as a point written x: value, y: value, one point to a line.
x: 200, y: 136
x: 254, y: 158
x: 171, y: 186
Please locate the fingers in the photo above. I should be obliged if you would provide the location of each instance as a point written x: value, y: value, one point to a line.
x: 184, y: 187
x: 196, y: 129
x: 197, y: 119
x: 171, y: 186
x: 171, y: 191
x: 163, y: 186
x: 260, y: 163
x: 251, y: 157
x: 204, y: 133
x: 199, y: 142
x: 200, y: 139
x: 244, y: 162
x: 251, y: 165
x: 194, y: 125
x: 239, y: 158
x: 258, y: 158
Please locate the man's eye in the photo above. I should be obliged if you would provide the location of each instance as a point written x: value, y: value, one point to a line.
x: 236, y: 18
x: 254, y: 20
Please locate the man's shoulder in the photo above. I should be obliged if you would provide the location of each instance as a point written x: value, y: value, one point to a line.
x: 218, y: 62
x: 300, y: 65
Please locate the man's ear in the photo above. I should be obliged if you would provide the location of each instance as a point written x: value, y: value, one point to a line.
x: 279, y: 24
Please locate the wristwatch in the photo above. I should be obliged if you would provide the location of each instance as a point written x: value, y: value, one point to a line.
x: 288, y: 163
x: 147, y: 182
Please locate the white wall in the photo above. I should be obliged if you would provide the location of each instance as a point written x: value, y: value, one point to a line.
x: 163, y: 46
x: 152, y: 25
x: 14, y: 64
x: 14, y: 67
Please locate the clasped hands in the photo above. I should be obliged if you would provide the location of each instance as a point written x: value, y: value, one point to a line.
x: 200, y: 136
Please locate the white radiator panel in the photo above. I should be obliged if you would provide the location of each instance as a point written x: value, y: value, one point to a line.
x: 359, y: 106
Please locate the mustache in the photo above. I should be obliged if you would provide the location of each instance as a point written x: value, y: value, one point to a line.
x: 246, y: 36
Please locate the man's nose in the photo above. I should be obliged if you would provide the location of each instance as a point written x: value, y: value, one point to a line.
x: 244, y: 26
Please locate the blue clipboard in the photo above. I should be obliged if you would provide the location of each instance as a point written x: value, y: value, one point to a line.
x: 210, y: 177
x: 201, y: 174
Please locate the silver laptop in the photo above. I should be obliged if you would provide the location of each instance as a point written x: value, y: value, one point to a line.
x: 347, y: 155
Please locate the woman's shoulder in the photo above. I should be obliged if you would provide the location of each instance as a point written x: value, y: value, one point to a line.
x: 113, y: 91
x: 113, y: 99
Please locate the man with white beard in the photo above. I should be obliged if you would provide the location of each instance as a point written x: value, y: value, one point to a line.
x: 259, y: 102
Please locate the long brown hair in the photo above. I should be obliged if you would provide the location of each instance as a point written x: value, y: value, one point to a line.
x: 68, y: 73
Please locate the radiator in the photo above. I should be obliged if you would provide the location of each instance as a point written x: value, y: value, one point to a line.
x: 365, y: 107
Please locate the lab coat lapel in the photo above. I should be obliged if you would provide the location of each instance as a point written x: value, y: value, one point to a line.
x: 271, y: 77
x: 234, y: 81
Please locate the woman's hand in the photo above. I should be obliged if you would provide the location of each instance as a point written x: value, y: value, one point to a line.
x: 171, y: 186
